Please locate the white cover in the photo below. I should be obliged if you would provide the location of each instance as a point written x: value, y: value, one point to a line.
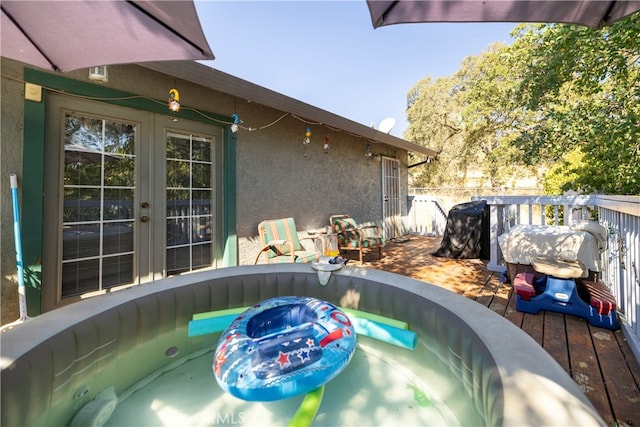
x: 522, y: 243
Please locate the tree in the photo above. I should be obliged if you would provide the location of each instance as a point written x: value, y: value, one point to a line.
x: 584, y: 86
x: 435, y: 121
x: 492, y: 114
x: 558, y: 95
x: 470, y: 119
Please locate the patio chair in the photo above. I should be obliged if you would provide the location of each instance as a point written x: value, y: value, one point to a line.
x: 279, y: 238
x: 352, y: 237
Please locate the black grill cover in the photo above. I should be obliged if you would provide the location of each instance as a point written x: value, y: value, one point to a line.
x: 467, y: 232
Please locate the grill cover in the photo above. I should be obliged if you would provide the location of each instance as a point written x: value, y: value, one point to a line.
x: 467, y: 232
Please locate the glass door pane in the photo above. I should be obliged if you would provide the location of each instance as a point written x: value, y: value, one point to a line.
x: 189, y: 195
x: 98, y: 211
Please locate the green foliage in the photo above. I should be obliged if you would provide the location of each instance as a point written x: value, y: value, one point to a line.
x: 584, y: 86
x: 564, y: 175
x: 435, y: 121
x: 562, y: 96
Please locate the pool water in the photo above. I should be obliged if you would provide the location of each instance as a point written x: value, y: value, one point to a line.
x: 383, y: 385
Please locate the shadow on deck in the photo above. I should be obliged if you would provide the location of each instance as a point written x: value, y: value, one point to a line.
x: 599, y: 360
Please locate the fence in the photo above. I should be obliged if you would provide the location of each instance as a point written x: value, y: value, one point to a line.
x: 620, y: 215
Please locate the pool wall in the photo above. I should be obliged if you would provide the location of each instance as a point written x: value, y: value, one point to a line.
x: 56, y: 363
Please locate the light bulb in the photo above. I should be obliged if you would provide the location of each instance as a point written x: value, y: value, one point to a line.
x: 174, y: 100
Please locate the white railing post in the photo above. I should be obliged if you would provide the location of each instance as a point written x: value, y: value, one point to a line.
x: 494, y: 232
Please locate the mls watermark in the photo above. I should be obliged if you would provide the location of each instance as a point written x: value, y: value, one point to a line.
x: 229, y: 419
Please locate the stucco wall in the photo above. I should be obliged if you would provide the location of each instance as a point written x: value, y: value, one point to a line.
x: 11, y: 116
x: 277, y: 180
x: 274, y: 177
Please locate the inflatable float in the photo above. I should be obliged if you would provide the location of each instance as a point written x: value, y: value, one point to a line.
x: 283, y: 347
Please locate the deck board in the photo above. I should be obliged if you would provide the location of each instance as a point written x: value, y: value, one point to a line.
x: 599, y: 360
x: 623, y: 395
x: 534, y: 326
x: 585, y: 369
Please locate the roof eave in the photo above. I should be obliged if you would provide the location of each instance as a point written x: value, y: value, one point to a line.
x: 226, y: 83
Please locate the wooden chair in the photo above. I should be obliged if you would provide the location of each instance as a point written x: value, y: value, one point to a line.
x: 352, y: 237
x: 279, y: 239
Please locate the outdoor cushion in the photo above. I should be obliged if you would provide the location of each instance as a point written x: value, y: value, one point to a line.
x: 367, y: 242
x: 281, y: 231
x: 279, y: 238
x: 354, y: 237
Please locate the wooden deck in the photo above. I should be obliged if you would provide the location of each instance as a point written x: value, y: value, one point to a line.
x: 599, y: 360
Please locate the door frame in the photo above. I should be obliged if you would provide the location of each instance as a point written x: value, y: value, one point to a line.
x: 391, y: 201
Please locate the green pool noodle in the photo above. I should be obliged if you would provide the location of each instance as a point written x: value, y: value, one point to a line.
x: 382, y: 328
x: 357, y: 313
x: 218, y: 313
x: 308, y: 409
x: 385, y: 333
x: 376, y: 318
x: 210, y: 325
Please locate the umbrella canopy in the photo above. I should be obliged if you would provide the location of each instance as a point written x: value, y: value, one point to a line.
x: 68, y: 35
x: 592, y: 13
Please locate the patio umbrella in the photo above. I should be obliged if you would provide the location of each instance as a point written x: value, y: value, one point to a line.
x: 592, y: 13
x: 68, y: 35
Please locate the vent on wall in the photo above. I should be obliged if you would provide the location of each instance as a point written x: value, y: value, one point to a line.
x: 98, y: 74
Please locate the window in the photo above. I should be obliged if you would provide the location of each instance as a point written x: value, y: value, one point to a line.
x: 98, y: 207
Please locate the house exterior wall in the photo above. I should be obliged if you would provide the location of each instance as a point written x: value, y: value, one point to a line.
x: 272, y: 176
x: 11, y: 129
x: 276, y: 180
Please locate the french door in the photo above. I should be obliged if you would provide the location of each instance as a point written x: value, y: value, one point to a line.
x: 130, y: 197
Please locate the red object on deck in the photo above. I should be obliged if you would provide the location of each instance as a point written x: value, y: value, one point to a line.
x: 600, y: 297
x: 523, y: 284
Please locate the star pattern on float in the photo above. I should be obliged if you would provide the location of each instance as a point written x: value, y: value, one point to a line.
x: 283, y: 359
x: 302, y: 350
x: 303, y: 355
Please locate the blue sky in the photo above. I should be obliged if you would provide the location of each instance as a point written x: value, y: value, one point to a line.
x: 327, y: 54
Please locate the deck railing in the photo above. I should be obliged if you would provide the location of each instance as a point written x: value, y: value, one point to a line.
x: 425, y: 215
x: 506, y: 212
x: 619, y: 214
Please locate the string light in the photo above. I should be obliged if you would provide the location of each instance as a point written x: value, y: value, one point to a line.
x: 235, y: 125
x: 177, y: 99
x: 174, y: 100
x: 306, y: 140
x: 307, y: 136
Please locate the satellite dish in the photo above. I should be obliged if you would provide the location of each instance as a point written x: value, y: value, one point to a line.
x: 387, y: 124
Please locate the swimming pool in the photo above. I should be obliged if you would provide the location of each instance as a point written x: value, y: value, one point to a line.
x: 55, y: 364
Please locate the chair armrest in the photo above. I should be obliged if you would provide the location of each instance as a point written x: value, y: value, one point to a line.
x: 374, y: 227
x: 263, y: 249
x: 369, y: 227
x: 271, y: 245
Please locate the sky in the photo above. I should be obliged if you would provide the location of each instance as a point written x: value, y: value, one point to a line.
x: 327, y: 54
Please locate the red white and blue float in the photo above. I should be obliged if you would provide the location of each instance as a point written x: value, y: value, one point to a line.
x: 283, y: 347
